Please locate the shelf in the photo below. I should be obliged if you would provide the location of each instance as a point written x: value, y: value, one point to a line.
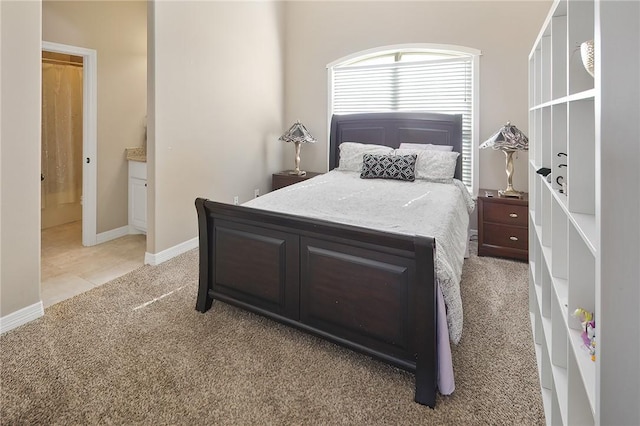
x: 559, y: 224
x: 555, y: 399
x: 564, y: 233
x: 577, y: 114
x: 534, y: 165
x: 546, y: 251
x: 561, y: 287
x: 586, y: 367
x: 557, y: 8
x: 559, y: 53
x: 586, y: 94
x: 546, y: 393
x: 559, y: 142
x: 581, y: 147
x: 560, y: 381
x: 581, y: 272
x: 562, y: 199
x: 580, y: 411
x: 581, y: 28
x: 546, y: 199
x: 546, y: 403
x: 585, y: 224
x: 539, y: 298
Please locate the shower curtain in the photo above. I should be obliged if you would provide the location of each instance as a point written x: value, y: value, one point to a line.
x: 61, y: 135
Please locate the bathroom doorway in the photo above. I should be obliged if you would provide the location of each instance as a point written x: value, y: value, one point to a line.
x: 69, y: 138
x: 61, y: 147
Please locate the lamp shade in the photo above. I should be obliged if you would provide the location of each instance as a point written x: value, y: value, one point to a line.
x: 508, y: 137
x: 297, y: 133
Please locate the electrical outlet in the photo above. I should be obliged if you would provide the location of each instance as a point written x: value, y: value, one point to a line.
x: 256, y: 193
x: 235, y: 200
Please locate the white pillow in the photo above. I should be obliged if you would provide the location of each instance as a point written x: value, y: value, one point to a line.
x: 426, y: 146
x: 433, y: 165
x: 351, y: 154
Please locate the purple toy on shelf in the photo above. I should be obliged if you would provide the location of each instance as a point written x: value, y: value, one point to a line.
x: 588, y: 334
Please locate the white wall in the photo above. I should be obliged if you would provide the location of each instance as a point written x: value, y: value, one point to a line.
x: 321, y: 32
x: 216, y: 89
x: 20, y: 40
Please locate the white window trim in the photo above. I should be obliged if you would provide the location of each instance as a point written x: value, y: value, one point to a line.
x: 475, y: 89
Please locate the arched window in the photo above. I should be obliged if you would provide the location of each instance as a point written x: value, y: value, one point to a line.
x: 430, y: 78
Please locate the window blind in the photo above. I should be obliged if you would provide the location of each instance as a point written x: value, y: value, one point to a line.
x: 441, y: 86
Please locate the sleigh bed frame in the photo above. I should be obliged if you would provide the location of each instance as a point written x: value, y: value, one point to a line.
x: 371, y: 291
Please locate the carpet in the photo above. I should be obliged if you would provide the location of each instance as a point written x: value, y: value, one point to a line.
x: 135, y: 351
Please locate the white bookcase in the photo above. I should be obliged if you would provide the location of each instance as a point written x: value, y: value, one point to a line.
x: 584, y: 242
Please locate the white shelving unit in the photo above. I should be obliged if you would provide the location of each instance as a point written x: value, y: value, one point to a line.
x: 584, y: 242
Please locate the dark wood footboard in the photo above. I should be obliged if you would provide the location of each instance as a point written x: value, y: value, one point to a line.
x: 371, y: 291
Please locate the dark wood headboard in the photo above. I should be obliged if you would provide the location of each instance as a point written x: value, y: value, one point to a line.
x: 393, y: 128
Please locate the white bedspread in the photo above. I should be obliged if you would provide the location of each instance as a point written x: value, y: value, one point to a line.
x: 439, y: 210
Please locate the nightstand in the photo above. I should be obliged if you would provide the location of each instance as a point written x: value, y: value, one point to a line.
x: 503, y: 225
x: 282, y: 179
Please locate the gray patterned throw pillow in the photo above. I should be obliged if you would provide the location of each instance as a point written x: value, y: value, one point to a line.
x: 401, y: 167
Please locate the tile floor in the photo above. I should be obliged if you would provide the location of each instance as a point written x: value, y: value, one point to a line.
x: 68, y: 268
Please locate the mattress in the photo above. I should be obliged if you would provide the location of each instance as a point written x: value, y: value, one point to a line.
x: 422, y: 207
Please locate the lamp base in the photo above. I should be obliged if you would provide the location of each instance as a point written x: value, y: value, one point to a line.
x: 510, y: 193
x: 296, y: 171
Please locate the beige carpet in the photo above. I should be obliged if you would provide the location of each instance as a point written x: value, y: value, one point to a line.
x: 109, y: 356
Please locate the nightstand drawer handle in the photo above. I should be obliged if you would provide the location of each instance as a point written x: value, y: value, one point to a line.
x: 514, y: 215
x: 512, y: 238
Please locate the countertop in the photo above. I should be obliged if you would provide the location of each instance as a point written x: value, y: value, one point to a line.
x: 136, y: 154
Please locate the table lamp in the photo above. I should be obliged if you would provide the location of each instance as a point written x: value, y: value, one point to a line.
x: 298, y: 134
x: 508, y: 139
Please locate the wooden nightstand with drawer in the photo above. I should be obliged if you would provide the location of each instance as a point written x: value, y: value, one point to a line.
x: 503, y: 225
x: 282, y: 179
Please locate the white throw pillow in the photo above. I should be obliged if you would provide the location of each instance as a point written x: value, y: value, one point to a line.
x: 433, y: 165
x: 351, y: 154
x: 426, y: 146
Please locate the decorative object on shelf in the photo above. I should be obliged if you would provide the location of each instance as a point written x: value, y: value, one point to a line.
x: 586, y: 52
x: 546, y: 172
x: 509, y: 139
x: 562, y: 184
x: 560, y: 178
x: 298, y: 134
x: 588, y: 330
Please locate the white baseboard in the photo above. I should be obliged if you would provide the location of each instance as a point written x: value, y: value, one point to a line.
x: 164, y: 255
x: 103, y: 237
x: 135, y: 231
x: 21, y: 316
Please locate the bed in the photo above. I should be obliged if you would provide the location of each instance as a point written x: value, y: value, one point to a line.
x: 371, y: 290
